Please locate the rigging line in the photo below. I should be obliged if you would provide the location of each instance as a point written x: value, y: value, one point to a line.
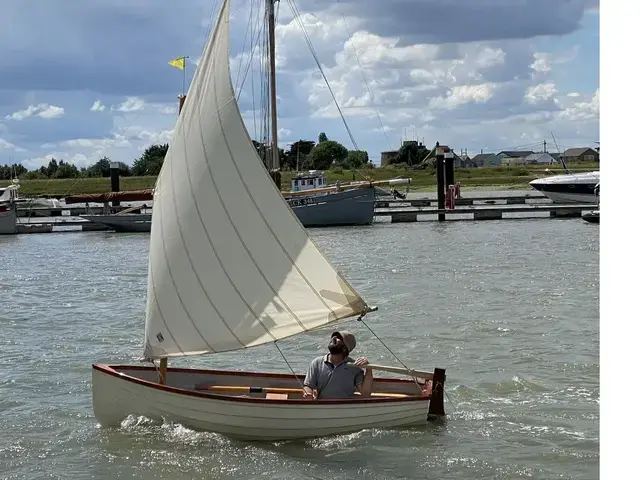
x: 516, y: 147
x: 210, y: 23
x: 244, y: 43
x: 355, y: 50
x: 241, y: 86
x: 255, y: 39
x: 253, y: 107
x: 288, y: 364
x: 266, y: 94
x: 255, y: 35
x: 297, y: 16
x: 390, y: 351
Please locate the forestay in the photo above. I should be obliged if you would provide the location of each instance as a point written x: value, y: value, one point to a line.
x: 230, y: 265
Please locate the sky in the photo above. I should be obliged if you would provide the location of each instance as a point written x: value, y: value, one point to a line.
x: 84, y: 80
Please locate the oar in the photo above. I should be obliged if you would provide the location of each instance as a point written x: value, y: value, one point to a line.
x: 298, y: 391
x: 401, y: 370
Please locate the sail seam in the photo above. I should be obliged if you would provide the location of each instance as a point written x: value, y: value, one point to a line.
x: 224, y: 207
x: 211, y: 302
x: 157, y: 303
x: 173, y: 281
x: 184, y: 127
x: 197, y: 208
x: 186, y: 121
x: 284, y: 250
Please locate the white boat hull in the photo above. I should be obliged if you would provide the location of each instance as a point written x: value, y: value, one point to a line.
x: 571, y: 188
x: 120, y: 391
x: 567, y: 197
x: 8, y: 219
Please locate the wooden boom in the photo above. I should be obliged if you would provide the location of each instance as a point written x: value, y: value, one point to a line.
x: 401, y: 370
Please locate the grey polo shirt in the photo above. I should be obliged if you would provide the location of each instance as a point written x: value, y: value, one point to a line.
x: 331, y: 381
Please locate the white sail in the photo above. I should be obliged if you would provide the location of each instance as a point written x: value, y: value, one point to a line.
x: 230, y: 265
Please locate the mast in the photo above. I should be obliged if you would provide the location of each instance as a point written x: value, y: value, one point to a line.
x: 275, y: 161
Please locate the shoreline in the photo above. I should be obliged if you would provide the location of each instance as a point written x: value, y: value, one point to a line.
x: 60, y: 188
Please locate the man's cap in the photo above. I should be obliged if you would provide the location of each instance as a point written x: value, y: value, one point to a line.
x: 347, y: 338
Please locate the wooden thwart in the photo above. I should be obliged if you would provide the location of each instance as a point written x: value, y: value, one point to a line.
x: 277, y: 390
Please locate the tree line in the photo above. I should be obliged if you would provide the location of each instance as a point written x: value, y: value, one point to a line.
x: 302, y: 155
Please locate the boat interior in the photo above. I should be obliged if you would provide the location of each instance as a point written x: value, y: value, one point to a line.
x: 273, y: 386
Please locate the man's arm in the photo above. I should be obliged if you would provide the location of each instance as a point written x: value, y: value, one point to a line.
x: 310, y: 382
x: 364, y: 379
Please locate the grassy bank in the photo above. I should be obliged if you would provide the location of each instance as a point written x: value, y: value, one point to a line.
x: 421, y: 180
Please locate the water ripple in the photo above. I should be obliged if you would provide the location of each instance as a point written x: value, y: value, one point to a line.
x: 509, y: 308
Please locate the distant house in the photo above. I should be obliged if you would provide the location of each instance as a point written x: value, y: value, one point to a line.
x: 574, y: 155
x: 556, y: 156
x: 513, y: 157
x: 458, y: 162
x: 539, y: 159
x: 391, y: 156
x: 387, y: 158
x: 463, y: 161
x: 487, y: 160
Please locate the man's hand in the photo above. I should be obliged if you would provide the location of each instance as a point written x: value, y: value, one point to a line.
x: 307, y: 394
x: 361, y: 362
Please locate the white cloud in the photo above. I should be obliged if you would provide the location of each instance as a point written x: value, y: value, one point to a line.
x: 283, y: 133
x: 117, y: 141
x: 5, y: 145
x: 42, y: 110
x: 167, y: 110
x: 545, y: 61
x: 459, y: 95
x: 51, y: 112
x: 573, y: 94
x: 148, y: 137
x: 151, y: 138
x: 541, y: 93
x: 589, y: 110
x: 131, y: 104
x: 97, y: 106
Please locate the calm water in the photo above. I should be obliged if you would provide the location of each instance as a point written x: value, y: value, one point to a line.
x: 509, y: 308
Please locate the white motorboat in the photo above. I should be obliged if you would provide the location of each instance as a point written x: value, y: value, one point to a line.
x: 569, y: 187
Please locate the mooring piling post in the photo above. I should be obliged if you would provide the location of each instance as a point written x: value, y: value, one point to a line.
x: 115, y: 181
x: 449, y: 168
x: 436, y: 404
x: 440, y: 178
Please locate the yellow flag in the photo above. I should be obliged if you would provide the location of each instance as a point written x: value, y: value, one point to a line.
x: 178, y: 62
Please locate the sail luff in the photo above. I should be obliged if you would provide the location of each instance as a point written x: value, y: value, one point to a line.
x: 241, y: 271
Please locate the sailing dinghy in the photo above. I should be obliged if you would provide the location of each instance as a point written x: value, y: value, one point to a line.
x: 239, y: 273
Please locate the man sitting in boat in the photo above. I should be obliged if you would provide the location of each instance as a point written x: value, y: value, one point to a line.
x: 335, y: 375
